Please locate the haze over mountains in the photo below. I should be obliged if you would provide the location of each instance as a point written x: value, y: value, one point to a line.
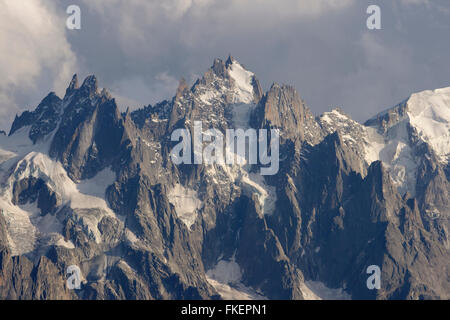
x: 85, y: 184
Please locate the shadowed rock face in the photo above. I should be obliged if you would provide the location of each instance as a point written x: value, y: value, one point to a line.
x: 90, y: 131
x: 140, y: 227
x: 43, y: 120
x: 32, y: 189
x: 40, y: 281
x: 282, y: 108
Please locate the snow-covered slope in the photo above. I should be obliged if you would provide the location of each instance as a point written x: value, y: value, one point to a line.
x: 429, y: 114
x: 23, y: 160
x: 243, y: 91
x: 423, y: 118
x: 316, y: 290
x: 226, y: 278
x: 186, y: 203
x: 235, y: 91
x: 362, y: 141
x: 394, y: 135
x: 236, y: 87
x: 104, y: 193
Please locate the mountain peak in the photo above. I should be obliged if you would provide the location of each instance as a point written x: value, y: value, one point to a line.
x: 230, y: 60
x: 219, y: 68
x: 245, y: 81
x: 428, y: 112
x: 230, y: 81
x: 274, y: 86
x: 338, y: 110
x: 74, y: 82
x: 97, y: 182
x: 431, y: 101
x: 182, y: 87
x: 90, y: 83
x: 73, y: 85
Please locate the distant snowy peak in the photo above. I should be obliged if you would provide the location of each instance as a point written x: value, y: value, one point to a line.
x: 370, y: 144
x: 243, y: 82
x: 334, y: 119
x: 395, y: 136
x: 227, y: 82
x: 428, y: 112
x: 353, y: 134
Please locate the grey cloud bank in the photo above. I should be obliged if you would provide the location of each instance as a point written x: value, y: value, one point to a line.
x: 140, y: 49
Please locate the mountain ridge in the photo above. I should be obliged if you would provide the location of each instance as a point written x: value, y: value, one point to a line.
x: 86, y: 184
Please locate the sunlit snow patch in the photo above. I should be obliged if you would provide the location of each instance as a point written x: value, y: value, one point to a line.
x: 21, y: 160
x: 429, y: 113
x: 226, y: 278
x: 316, y: 290
x: 254, y: 184
x: 243, y: 81
x: 186, y: 203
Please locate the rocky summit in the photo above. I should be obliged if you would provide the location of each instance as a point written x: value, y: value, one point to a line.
x: 86, y: 185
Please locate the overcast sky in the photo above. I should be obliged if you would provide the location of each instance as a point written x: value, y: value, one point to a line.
x: 139, y: 49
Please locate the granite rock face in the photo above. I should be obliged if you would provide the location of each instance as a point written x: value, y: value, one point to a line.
x: 42, y: 121
x: 282, y: 108
x: 84, y: 184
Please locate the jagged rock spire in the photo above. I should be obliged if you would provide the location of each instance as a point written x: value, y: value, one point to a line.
x: 90, y: 83
x: 73, y: 85
x: 182, y: 87
x: 230, y: 60
x: 219, y: 68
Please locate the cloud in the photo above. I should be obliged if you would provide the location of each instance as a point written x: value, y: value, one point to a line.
x: 436, y: 5
x: 176, y: 9
x: 152, y: 27
x: 416, y: 2
x: 139, y: 49
x: 136, y: 92
x: 179, y: 38
x: 34, y: 54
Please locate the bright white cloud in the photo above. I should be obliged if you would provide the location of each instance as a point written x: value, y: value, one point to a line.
x: 33, y: 49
